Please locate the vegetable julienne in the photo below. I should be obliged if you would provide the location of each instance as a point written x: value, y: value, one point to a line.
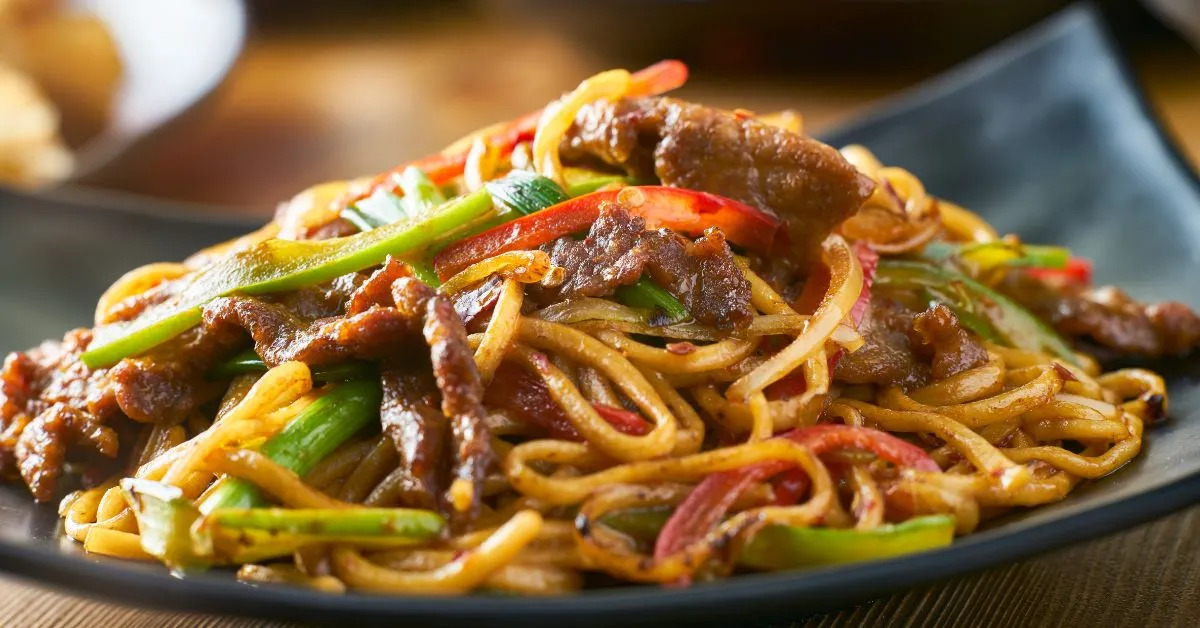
x: 626, y: 334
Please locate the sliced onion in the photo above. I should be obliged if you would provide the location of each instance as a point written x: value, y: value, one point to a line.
x: 559, y: 115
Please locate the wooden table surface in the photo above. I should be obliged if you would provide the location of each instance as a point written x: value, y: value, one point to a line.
x: 268, y: 131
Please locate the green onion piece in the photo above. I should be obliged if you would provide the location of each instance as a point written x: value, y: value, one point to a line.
x: 647, y: 295
x: 355, y: 217
x: 525, y: 192
x: 420, y: 194
x: 319, y: 429
x: 249, y: 362
x: 402, y: 522
x: 278, y: 266
x: 382, y: 208
x: 777, y: 547
x: 165, y: 518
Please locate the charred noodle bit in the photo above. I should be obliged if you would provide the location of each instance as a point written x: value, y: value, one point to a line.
x: 664, y: 347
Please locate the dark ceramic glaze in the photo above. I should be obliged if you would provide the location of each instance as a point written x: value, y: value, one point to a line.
x: 1046, y: 136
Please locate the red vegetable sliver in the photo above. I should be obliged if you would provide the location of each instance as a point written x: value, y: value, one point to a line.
x: 831, y: 436
x: 441, y: 168
x: 706, y: 505
x: 660, y: 78
x: 790, y: 486
x: 709, y: 501
x: 525, y: 397
x: 815, y: 287
x: 793, y: 384
x: 686, y: 211
x: 625, y: 421
x: 1078, y: 270
x: 868, y: 259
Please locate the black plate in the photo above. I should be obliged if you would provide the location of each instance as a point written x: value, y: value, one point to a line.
x: 1047, y: 136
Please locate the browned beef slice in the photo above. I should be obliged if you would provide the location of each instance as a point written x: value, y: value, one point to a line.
x: 887, y: 358
x: 907, y: 349
x: 410, y: 416
x: 458, y: 380
x: 618, y: 250
x: 388, y: 316
x: 950, y: 348
x: 168, y: 382
x: 1109, y: 317
x: 49, y: 401
x: 42, y: 446
x: 803, y: 181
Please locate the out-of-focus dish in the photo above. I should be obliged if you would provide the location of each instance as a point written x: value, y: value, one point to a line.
x: 59, y: 72
x: 82, y: 81
x: 508, y: 365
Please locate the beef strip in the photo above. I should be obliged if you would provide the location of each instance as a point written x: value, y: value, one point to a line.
x: 950, y: 348
x: 887, y: 357
x: 473, y: 305
x: 49, y: 401
x: 807, y: 183
x: 1109, y: 317
x: 618, y: 250
x: 462, y: 390
x: 387, y: 317
x: 909, y: 349
x: 410, y: 416
x: 167, y: 383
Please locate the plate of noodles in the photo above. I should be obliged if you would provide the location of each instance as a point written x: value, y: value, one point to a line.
x: 629, y: 356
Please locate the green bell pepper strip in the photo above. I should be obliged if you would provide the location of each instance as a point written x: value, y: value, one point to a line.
x: 277, y: 266
x: 791, y: 546
x: 640, y: 524
x: 646, y: 294
x: 249, y: 362
x: 1013, y: 324
x: 404, y: 522
x: 777, y: 547
x: 982, y: 257
x: 319, y: 429
x: 581, y: 181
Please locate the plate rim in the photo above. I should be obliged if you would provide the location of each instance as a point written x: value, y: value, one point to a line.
x: 835, y: 587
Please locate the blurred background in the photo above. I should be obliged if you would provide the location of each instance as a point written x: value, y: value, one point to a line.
x: 238, y: 105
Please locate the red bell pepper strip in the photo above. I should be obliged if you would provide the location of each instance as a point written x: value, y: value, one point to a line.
x: 708, y: 502
x: 793, y: 383
x: 790, y: 486
x: 441, y: 168
x: 525, y: 396
x: 686, y: 211
x: 1078, y: 270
